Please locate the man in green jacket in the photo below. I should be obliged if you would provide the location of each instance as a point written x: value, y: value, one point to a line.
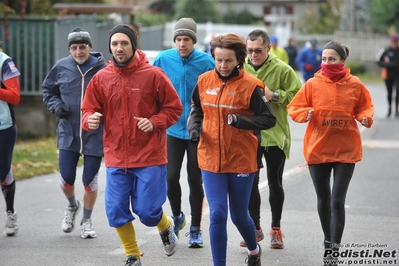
x: 282, y: 83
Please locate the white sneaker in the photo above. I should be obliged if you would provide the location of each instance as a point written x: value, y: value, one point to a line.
x: 132, y: 261
x: 169, y: 239
x: 11, y: 228
x: 86, y: 229
x: 68, y: 223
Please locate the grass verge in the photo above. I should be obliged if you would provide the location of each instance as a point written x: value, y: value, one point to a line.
x: 366, y: 77
x: 35, y: 157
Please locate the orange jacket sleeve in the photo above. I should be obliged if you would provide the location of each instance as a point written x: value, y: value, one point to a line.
x: 11, y: 93
x: 299, y: 106
x: 364, y: 107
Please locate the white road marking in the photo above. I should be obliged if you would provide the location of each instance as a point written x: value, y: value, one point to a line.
x: 381, y: 144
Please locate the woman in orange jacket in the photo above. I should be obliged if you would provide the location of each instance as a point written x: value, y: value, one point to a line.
x: 332, y: 101
x: 228, y: 107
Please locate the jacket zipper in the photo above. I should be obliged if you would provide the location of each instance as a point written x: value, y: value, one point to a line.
x: 125, y: 123
x: 219, y: 125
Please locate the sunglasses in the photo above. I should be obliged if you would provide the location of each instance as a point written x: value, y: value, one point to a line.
x: 256, y: 51
x: 81, y: 47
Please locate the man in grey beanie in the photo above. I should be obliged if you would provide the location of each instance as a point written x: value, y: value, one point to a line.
x: 79, y: 35
x: 185, y: 26
x: 183, y: 65
x: 63, y: 90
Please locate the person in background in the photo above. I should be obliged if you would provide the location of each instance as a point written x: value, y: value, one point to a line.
x: 388, y: 59
x: 331, y: 103
x: 183, y: 65
x: 207, y: 43
x: 137, y: 103
x: 292, y: 52
x: 309, y: 59
x: 228, y: 105
x: 282, y: 83
x: 277, y: 50
x: 9, y: 96
x: 63, y: 90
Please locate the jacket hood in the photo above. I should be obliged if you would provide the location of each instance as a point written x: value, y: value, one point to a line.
x: 142, y: 56
x: 271, y: 57
x: 96, y: 54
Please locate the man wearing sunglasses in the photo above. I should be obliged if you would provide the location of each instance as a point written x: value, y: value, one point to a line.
x: 282, y: 83
x: 63, y: 90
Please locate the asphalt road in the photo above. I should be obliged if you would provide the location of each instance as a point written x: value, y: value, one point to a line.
x: 372, y: 215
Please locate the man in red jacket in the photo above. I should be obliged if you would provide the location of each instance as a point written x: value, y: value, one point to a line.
x: 138, y: 103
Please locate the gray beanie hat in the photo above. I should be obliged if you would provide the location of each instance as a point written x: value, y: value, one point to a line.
x: 79, y: 35
x: 185, y: 26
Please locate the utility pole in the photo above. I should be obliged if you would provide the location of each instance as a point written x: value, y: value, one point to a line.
x: 352, y: 16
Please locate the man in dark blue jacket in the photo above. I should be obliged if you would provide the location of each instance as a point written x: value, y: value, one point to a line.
x: 63, y: 90
x: 309, y: 59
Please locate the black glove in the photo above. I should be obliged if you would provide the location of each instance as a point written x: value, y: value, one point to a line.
x: 61, y: 111
x: 194, y: 135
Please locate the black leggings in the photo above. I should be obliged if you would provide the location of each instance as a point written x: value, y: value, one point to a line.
x: 275, y: 161
x: 8, y: 138
x: 331, y: 204
x: 390, y: 83
x: 176, y: 150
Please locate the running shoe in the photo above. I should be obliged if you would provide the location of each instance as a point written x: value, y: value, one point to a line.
x: 132, y: 261
x: 68, y: 223
x: 276, y: 238
x: 86, y: 229
x: 254, y: 260
x: 169, y: 239
x: 11, y: 228
x: 195, y: 237
x: 179, y: 223
x: 259, y: 237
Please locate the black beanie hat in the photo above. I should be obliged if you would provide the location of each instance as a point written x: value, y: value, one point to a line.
x: 125, y: 29
x: 185, y: 26
x: 79, y: 35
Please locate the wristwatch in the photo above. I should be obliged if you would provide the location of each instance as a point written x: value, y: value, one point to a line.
x: 231, y: 118
x: 275, y: 96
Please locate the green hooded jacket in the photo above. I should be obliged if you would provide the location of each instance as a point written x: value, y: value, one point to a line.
x: 279, y: 77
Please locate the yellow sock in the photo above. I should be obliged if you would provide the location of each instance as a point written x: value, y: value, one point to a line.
x: 164, y: 224
x: 127, y: 235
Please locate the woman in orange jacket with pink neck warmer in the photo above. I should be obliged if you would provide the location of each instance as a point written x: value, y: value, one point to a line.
x: 332, y: 102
